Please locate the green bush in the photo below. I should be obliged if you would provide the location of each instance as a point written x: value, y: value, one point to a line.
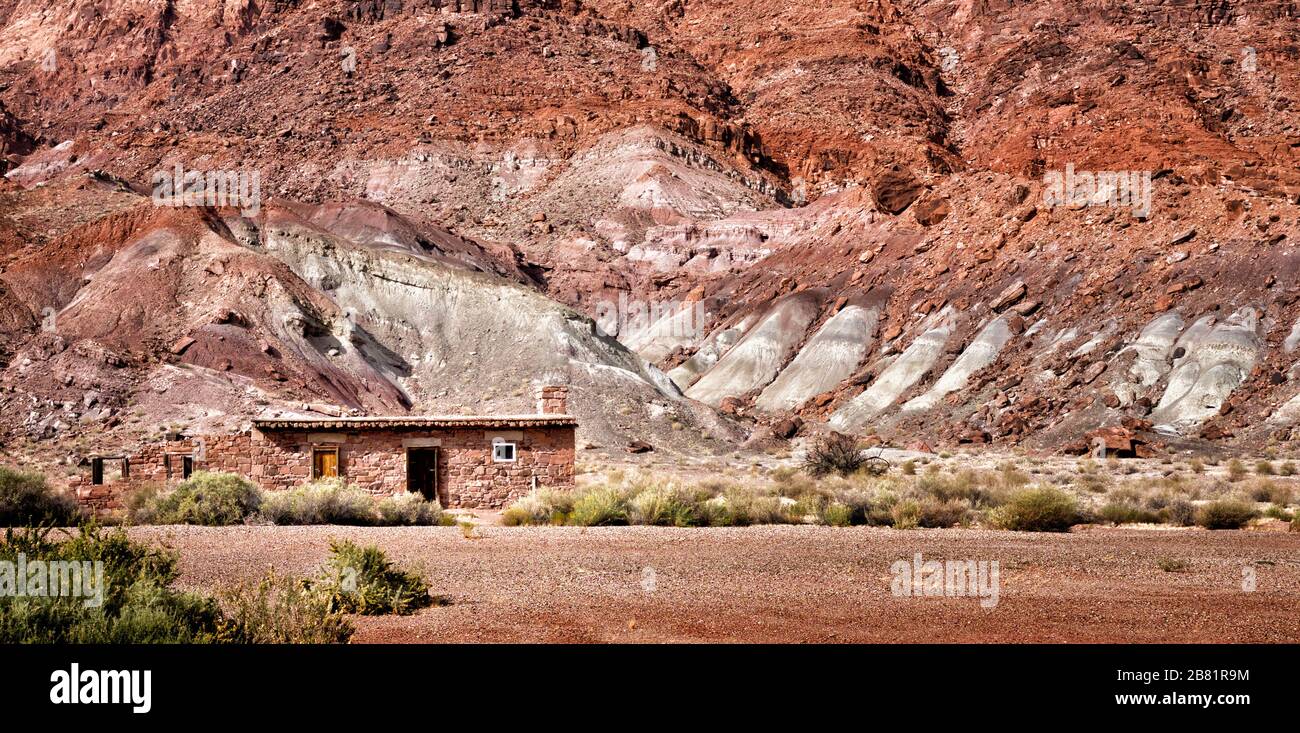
x: 138, y: 604
x: 667, y: 507
x: 213, y: 499
x: 363, y: 580
x: 600, y: 506
x: 836, y: 514
x: 1037, y: 510
x: 26, y: 499
x: 746, y: 507
x: 1225, y: 514
x: 281, y: 610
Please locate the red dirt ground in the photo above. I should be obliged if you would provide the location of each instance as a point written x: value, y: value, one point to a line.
x: 790, y: 584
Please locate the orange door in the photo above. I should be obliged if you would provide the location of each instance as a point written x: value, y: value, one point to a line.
x: 325, y: 462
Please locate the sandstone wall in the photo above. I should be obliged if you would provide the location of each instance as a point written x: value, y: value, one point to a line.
x: 374, y: 460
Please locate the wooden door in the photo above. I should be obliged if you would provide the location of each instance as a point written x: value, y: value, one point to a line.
x: 325, y: 462
x: 422, y: 472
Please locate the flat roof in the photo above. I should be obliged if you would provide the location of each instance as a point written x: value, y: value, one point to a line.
x: 415, y: 421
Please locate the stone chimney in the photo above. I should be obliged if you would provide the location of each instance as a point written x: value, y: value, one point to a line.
x: 553, y: 399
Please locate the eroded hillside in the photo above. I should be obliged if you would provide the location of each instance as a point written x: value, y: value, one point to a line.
x: 840, y: 211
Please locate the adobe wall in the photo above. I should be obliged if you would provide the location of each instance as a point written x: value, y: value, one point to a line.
x: 374, y: 460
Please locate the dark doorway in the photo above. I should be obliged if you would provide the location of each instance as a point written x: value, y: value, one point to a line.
x: 422, y: 472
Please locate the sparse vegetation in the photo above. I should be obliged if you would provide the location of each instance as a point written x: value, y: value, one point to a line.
x: 137, y: 605
x: 225, y: 498
x: 1126, y: 512
x: 363, y: 580
x: 279, y: 609
x: 1038, y: 510
x: 834, y: 453
x: 1224, y: 514
x: 1170, y: 565
x: 1236, y: 470
x: 332, y: 501
x: 26, y: 499
x: 212, y: 499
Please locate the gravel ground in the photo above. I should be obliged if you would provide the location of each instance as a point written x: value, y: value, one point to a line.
x: 790, y: 584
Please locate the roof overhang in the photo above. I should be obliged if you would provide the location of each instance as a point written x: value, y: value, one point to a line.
x: 416, y: 422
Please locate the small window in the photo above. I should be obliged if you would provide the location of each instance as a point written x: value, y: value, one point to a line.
x: 503, y: 452
x: 324, y: 462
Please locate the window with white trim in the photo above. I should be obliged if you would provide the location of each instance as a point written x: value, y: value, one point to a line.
x: 502, y: 451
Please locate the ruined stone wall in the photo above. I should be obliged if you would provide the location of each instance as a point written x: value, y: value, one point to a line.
x: 374, y: 460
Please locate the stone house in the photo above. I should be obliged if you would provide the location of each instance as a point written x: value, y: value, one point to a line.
x: 461, y: 460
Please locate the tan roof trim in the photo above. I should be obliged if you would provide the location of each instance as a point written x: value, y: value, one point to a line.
x: 415, y: 421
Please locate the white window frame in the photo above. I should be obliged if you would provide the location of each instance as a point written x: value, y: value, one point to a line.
x: 514, y: 451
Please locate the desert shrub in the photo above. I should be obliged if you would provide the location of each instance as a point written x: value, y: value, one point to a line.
x: 26, y: 499
x: 836, y: 514
x: 858, y: 502
x: 1012, y: 477
x: 137, y: 603
x: 1277, y: 511
x: 905, y: 514
x: 1180, y: 512
x: 909, y: 468
x: 751, y: 507
x: 834, y: 453
x: 599, y: 506
x: 964, y: 485
x: 1270, y: 491
x: 1224, y: 514
x: 332, y: 501
x: 363, y: 580
x: 1126, y: 512
x: 664, y: 507
x: 1236, y: 470
x: 715, y: 512
x: 1263, y: 468
x: 138, y: 503
x: 528, y: 510
x: 207, y: 498
x: 1196, y: 466
x: 561, y: 501
x: 324, y: 501
x: 281, y: 610
x: 1171, y: 565
x: 934, y: 513
x: 1295, y: 522
x: 790, y: 482
x: 1037, y: 510
x: 409, y: 510
x: 1287, y: 468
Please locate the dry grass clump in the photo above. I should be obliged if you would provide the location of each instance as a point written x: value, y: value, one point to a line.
x: 1225, y: 514
x: 1041, y: 509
